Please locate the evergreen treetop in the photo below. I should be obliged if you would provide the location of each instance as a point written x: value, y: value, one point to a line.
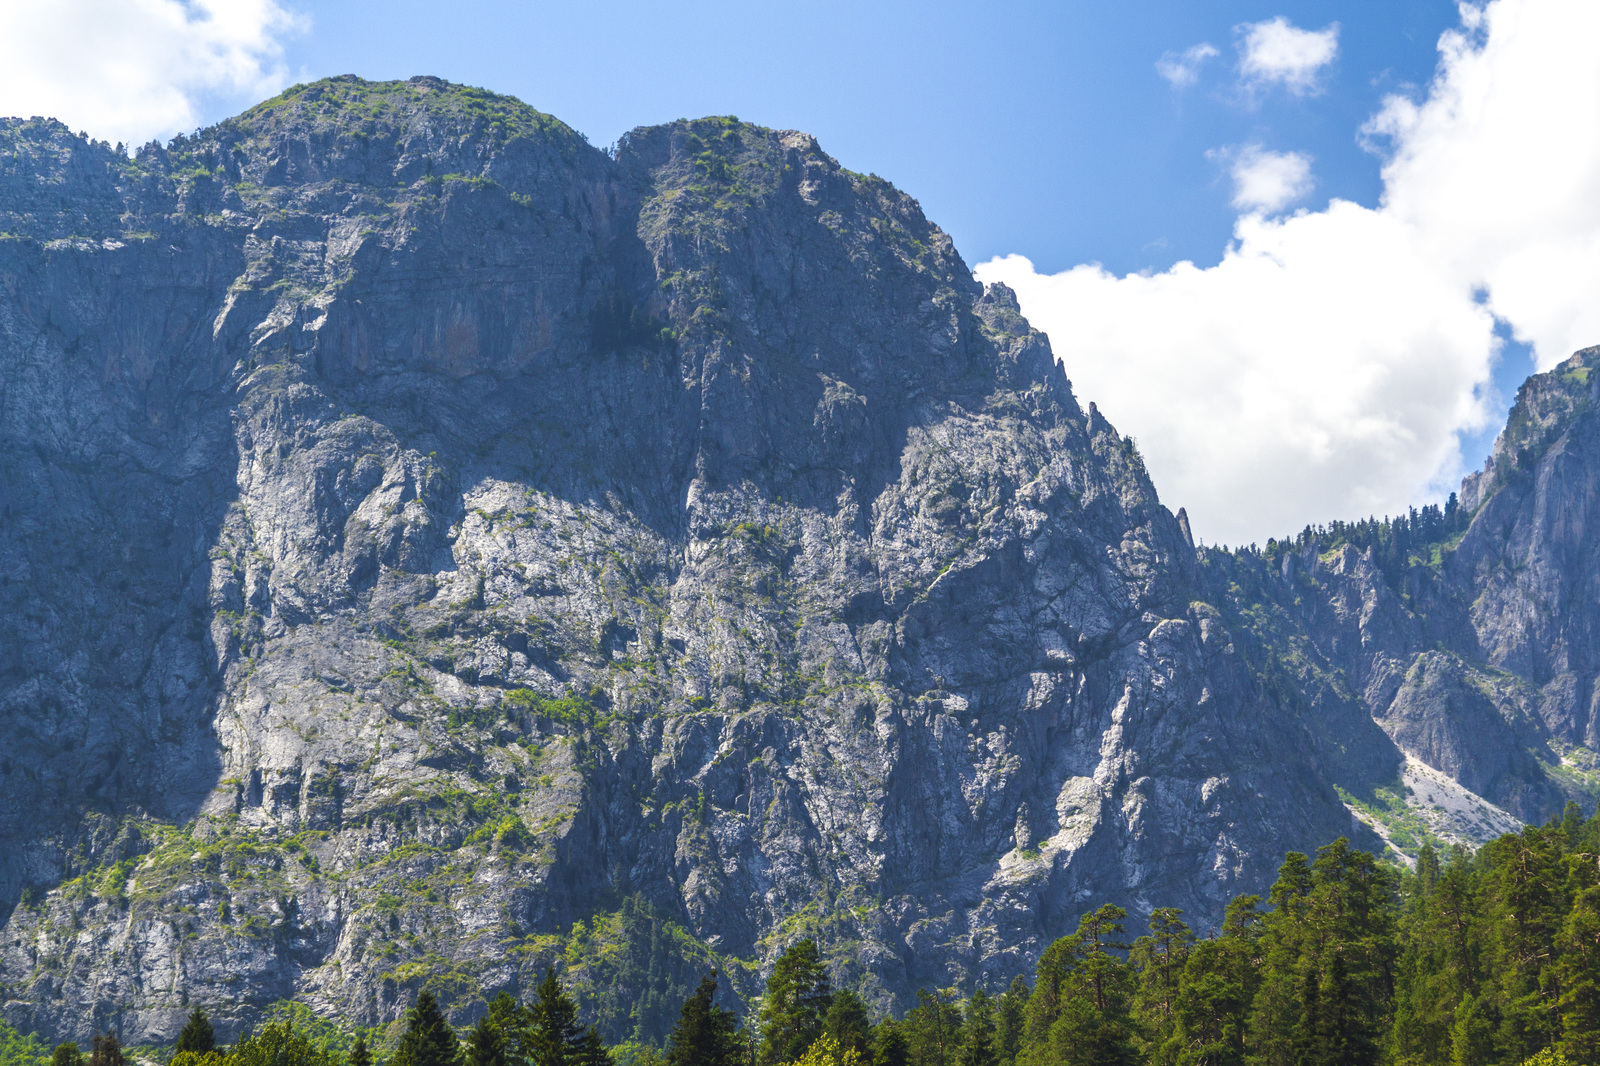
x: 798, y: 996
x: 197, y: 1034
x: 428, y: 1039
x: 706, y: 1035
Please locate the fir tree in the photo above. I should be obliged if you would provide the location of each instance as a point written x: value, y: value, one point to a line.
x: 1572, y: 825
x: 197, y: 1034
x: 932, y: 1030
x: 640, y: 997
x: 977, y: 1045
x: 1579, y: 974
x: 889, y: 1047
x: 486, y: 1046
x: 706, y: 1034
x: 508, y: 1014
x: 590, y: 1050
x: 797, y: 999
x: 428, y: 1039
x: 280, y: 1044
x: 1211, y: 1008
x: 551, y: 1036
x: 1472, y: 1034
x: 1276, y: 1034
x: 848, y: 1024
x: 1484, y: 959
x: 1527, y: 901
x: 1427, y: 870
x: 1008, y: 1021
x: 1439, y: 964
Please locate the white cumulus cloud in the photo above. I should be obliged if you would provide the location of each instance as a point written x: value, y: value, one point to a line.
x: 1265, y: 181
x: 1328, y: 365
x: 1276, y: 52
x: 1498, y: 169
x: 1182, y: 69
x: 132, y: 70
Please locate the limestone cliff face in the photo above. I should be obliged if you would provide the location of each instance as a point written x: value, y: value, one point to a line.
x: 424, y: 533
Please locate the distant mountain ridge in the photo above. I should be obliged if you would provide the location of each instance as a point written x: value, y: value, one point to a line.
x: 1466, y: 635
x: 432, y: 548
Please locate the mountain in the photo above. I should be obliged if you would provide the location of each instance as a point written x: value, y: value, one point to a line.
x: 1468, y: 635
x: 432, y: 548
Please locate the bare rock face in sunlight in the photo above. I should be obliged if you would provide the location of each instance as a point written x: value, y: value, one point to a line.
x: 429, y: 540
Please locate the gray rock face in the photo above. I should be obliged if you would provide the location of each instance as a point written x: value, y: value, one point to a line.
x: 423, y: 532
x: 1475, y: 651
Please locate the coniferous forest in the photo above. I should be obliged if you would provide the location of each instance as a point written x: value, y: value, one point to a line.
x: 1471, y: 958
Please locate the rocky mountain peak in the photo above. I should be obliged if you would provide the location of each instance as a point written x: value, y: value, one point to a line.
x: 1545, y: 406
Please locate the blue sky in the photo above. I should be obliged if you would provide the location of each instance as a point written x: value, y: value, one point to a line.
x: 1040, y: 128
x: 1305, y: 267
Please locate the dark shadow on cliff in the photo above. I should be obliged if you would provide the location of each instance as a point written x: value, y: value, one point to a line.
x: 116, y: 467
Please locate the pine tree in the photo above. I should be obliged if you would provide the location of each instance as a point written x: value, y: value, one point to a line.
x: 1044, y: 1004
x: 507, y: 1013
x: 1439, y: 965
x: 1079, y: 1011
x: 1427, y: 870
x: 1330, y: 961
x: 512, y: 1018
x: 279, y: 1044
x: 1579, y: 973
x: 932, y: 1030
x: 428, y: 1039
x: 651, y: 978
x: 848, y: 1023
x: 486, y: 1046
x: 1528, y: 904
x: 977, y: 1045
x: 1572, y: 825
x: 1158, y: 959
x: 1008, y: 1021
x: 706, y: 1034
x: 797, y: 999
x: 889, y: 1048
x: 1211, y: 1009
x: 552, y: 1036
x: 197, y: 1034
x: 1343, y: 1029
x: 1216, y: 989
x: 1275, y: 1035
x: 1485, y: 959
x: 590, y: 1050
x: 1472, y: 1035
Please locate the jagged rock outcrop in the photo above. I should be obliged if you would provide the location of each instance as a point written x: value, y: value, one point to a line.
x: 423, y: 533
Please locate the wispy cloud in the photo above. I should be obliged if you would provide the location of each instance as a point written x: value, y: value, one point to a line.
x: 1276, y: 52
x: 1182, y: 69
x: 131, y: 70
x: 1327, y: 366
